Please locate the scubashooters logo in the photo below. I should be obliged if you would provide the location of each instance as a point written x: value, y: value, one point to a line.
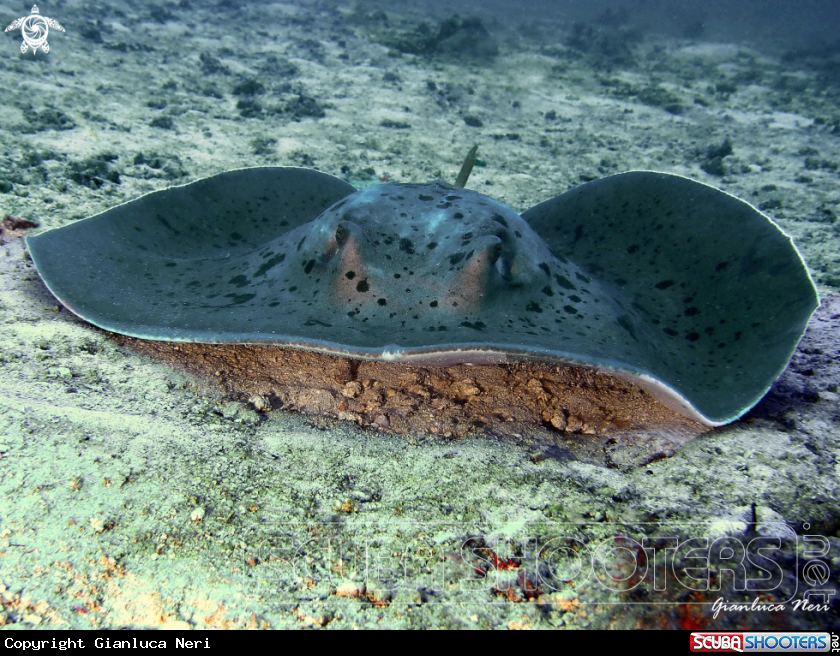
x: 761, y: 641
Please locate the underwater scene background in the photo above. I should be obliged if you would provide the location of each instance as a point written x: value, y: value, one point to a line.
x: 135, y: 494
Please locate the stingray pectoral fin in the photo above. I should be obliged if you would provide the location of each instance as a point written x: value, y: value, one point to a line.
x: 121, y: 269
x: 713, y: 293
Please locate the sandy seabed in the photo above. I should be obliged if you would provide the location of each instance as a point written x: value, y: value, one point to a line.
x: 135, y: 493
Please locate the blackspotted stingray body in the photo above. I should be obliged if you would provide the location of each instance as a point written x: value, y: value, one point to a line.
x: 689, y: 291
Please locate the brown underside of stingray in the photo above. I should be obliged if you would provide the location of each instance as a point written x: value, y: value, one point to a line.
x: 584, y: 409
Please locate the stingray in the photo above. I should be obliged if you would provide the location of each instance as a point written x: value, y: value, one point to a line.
x: 688, y: 291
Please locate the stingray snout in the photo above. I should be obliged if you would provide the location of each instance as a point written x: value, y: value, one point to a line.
x: 477, y: 276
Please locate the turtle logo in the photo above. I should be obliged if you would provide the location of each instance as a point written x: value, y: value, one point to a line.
x: 35, y: 29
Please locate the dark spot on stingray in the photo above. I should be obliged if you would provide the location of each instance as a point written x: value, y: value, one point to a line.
x: 578, y: 233
x: 350, y: 275
x: 425, y: 197
x: 632, y: 248
x: 162, y: 219
x: 670, y: 331
x: 476, y: 325
x: 575, y: 299
x: 570, y: 309
x: 564, y: 282
x: 498, y: 218
x: 382, y: 301
x: 454, y: 259
x: 407, y: 246
x: 467, y: 236
x: 547, y: 290
x: 433, y: 304
x: 239, y: 299
x: 458, y: 215
x: 235, y: 236
x: 239, y: 281
x: 293, y: 288
x: 690, y: 312
x: 692, y: 336
x: 170, y: 264
x: 300, y: 243
x: 443, y: 206
x: 315, y: 322
x: 721, y: 266
x: 269, y: 264
x: 362, y: 286
x: 307, y: 268
x: 545, y: 268
x: 664, y: 284
x: 431, y: 245
x: 624, y: 322
x: 533, y: 306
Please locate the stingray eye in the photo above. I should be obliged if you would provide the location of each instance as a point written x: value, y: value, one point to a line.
x: 341, y: 235
x: 495, y: 252
x: 503, y: 266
